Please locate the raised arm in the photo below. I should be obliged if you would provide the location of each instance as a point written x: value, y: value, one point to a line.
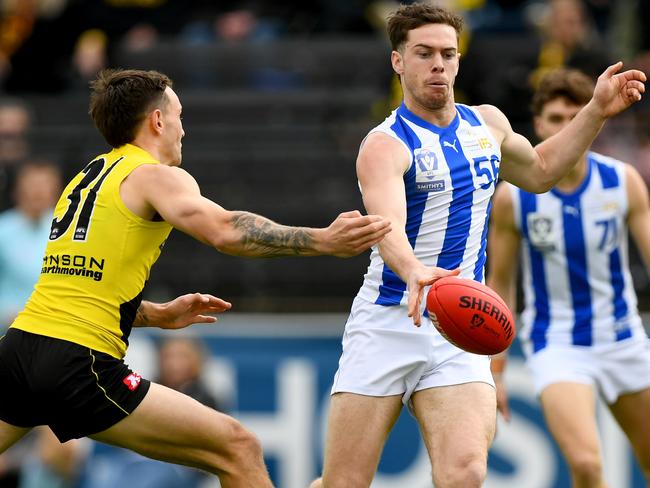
x: 538, y: 169
x: 381, y: 165
x: 503, y: 249
x: 638, y: 219
x: 173, y: 193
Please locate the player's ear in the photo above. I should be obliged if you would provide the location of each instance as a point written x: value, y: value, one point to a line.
x: 156, y: 120
x: 397, y: 62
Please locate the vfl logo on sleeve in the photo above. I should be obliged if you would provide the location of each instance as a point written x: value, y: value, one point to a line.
x: 132, y: 381
x: 429, y: 176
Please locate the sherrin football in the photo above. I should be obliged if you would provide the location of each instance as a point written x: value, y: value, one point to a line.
x: 470, y: 315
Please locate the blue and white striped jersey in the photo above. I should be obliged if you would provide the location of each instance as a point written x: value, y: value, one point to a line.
x: 449, y: 184
x: 577, y: 285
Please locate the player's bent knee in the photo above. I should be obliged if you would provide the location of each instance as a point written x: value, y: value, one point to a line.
x: 244, y: 444
x: 239, y: 451
x: 587, y: 469
x: 349, y: 480
x: 470, y: 474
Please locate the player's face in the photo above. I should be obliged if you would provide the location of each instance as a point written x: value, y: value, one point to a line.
x: 428, y: 65
x: 173, y: 128
x: 554, y: 116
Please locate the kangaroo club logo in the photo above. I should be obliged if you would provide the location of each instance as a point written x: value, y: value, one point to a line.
x: 132, y: 381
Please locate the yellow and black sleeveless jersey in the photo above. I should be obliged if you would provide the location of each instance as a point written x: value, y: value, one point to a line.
x: 97, y: 259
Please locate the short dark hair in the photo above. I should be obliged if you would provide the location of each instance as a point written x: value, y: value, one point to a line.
x: 121, y: 99
x: 571, y: 84
x: 409, y: 17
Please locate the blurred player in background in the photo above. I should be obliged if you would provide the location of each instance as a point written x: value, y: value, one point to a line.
x: 431, y: 167
x: 62, y: 357
x: 581, y: 332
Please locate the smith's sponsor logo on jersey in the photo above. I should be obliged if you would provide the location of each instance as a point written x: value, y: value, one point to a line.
x: 74, y: 265
x: 431, y: 186
x: 428, y: 171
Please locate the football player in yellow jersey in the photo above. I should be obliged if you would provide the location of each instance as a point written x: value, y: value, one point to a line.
x: 61, y: 360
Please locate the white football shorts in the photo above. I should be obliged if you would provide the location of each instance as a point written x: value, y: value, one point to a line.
x: 613, y: 369
x: 385, y: 354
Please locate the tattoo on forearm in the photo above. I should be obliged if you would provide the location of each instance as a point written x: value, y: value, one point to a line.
x: 140, y: 316
x: 264, y: 238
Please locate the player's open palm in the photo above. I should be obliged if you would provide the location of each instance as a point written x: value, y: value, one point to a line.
x: 352, y: 233
x: 417, y: 280
x: 193, y: 308
x: 616, y: 91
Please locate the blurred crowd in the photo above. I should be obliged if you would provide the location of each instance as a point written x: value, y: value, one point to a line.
x: 57, y: 45
x: 54, y: 47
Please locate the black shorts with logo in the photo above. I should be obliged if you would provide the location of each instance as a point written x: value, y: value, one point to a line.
x: 74, y: 390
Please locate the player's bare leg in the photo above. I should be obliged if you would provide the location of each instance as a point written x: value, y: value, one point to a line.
x: 631, y: 412
x: 570, y: 413
x: 357, y: 429
x: 173, y: 427
x: 457, y: 424
x: 10, y: 434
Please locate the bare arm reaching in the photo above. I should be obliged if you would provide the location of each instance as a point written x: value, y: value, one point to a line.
x: 538, y: 169
x: 381, y: 165
x: 503, y: 250
x: 182, y: 311
x: 638, y: 219
x: 173, y: 194
x: 503, y: 247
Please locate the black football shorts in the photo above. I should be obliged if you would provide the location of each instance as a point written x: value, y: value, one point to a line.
x: 74, y: 390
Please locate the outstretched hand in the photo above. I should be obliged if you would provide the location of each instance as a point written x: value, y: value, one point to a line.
x: 352, y: 233
x: 616, y: 91
x: 418, y: 279
x: 189, y: 309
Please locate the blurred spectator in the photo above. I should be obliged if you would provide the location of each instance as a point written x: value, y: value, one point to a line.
x: 15, y: 121
x: 16, y: 23
x: 497, y: 16
x: 39, y: 58
x: 560, y: 33
x: 51, y: 464
x: 90, y: 55
x: 570, y: 39
x: 59, y: 32
x: 11, y: 461
x: 181, y: 362
x: 601, y: 12
x: 25, y: 230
